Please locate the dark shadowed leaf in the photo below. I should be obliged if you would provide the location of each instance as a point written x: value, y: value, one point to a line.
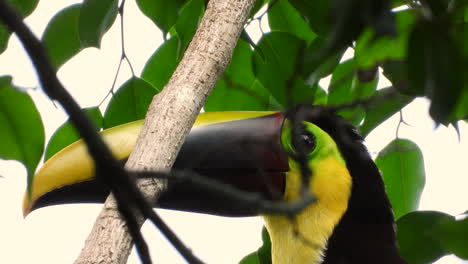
x: 454, y: 237
x: 67, y: 134
x: 402, y: 166
x: 163, y: 62
x: 187, y: 22
x: 425, y: 236
x: 61, y: 37
x: 313, y: 69
x: 164, y: 13
x: 25, y: 8
x: 96, y: 17
x: 21, y: 128
x: 395, y: 72
x: 381, y: 111
x: 129, y: 103
x: 316, y: 13
x: 284, y: 17
x: 435, y: 69
x: 238, y: 89
x: 275, y: 64
x: 418, y: 236
x: 461, y: 111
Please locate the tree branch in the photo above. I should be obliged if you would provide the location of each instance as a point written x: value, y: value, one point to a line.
x: 169, y: 118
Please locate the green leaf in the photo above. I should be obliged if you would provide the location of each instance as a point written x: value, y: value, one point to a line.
x: 129, y: 103
x: 398, y: 3
x: 345, y: 87
x: 163, y: 13
x: 341, y: 83
x: 275, y: 64
x: 187, y: 22
x: 257, y: 6
x: 67, y: 134
x: 96, y: 17
x: 238, y: 89
x: 316, y: 13
x: 402, y: 166
x: 24, y: 8
x: 435, y: 69
x: 314, y: 69
x: 263, y: 254
x: 159, y: 68
x: 252, y: 258
x: 371, y: 49
x: 377, y: 113
x: 461, y: 111
x: 418, y: 235
x: 395, y: 72
x: 61, y: 37
x: 454, y: 237
x: 284, y: 17
x: 21, y: 128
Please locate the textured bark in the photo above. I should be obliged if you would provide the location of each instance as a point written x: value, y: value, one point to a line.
x: 169, y: 119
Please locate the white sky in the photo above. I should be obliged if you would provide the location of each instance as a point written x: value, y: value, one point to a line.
x: 56, y: 234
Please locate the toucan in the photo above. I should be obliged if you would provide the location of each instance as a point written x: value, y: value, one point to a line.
x: 350, y: 222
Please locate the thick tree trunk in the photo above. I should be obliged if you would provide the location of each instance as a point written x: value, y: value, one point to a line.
x: 169, y: 119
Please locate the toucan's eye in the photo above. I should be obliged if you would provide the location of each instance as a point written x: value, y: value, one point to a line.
x: 304, y: 142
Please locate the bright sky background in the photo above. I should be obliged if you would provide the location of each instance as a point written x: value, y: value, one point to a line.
x: 56, y: 234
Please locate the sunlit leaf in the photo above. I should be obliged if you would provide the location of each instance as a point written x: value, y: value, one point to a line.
x: 129, y: 103
x: 24, y: 8
x: 238, y: 89
x: 164, y: 13
x: 187, y: 22
x: 163, y: 62
x: 275, y: 64
x: 263, y: 254
x: 371, y: 49
x: 402, y: 166
x: 96, y: 17
x: 284, y: 17
x: 21, y: 128
x: 67, y: 134
x: 61, y: 37
x: 345, y: 87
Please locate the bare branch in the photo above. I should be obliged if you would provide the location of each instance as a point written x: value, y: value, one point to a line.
x: 170, y: 118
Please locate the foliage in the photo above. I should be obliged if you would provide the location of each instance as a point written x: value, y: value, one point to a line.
x: 422, y: 48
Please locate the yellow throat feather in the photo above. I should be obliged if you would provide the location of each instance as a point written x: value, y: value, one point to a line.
x: 304, y: 238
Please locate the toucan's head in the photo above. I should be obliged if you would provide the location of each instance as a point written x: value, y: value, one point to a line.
x: 250, y: 150
x: 266, y: 153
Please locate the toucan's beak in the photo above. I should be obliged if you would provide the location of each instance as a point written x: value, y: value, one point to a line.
x: 241, y: 149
